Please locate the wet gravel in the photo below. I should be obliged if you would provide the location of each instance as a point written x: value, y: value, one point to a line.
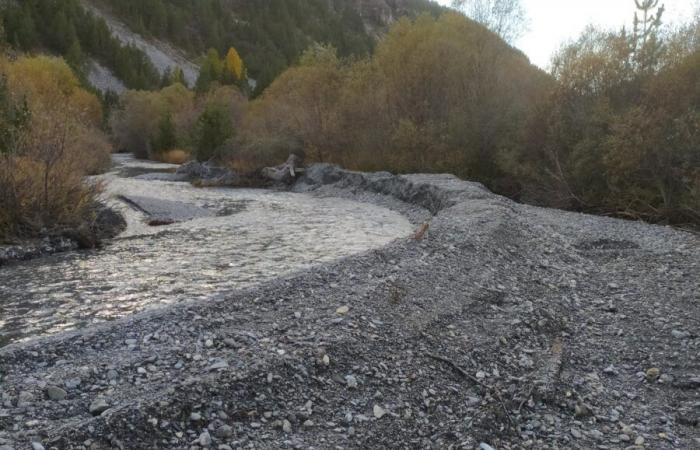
x: 505, y: 327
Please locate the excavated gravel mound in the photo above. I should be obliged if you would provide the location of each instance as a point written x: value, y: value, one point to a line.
x: 506, y: 326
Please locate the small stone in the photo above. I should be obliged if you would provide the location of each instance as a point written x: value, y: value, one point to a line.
x: 204, y: 439
x: 326, y: 360
x: 351, y: 381
x: 342, y: 310
x: 485, y: 446
x: 73, y: 383
x: 576, y: 433
x: 218, y: 365
x: 652, y: 374
x: 309, y: 424
x: 141, y: 371
x: 195, y: 417
x: 209, y: 343
x: 481, y: 375
x: 286, y: 426
x: 224, y: 431
x: 37, y: 446
x: 112, y: 374
x: 55, y: 393
x: 581, y: 410
x: 297, y: 315
x: 25, y: 398
x: 678, y: 334
x: 639, y: 440
x: 610, y: 370
x: 379, y: 412
x: 98, y: 406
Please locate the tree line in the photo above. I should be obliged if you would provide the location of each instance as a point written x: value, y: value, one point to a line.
x: 614, y: 129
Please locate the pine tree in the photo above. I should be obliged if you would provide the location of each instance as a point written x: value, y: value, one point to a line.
x: 646, y: 45
x: 167, y: 138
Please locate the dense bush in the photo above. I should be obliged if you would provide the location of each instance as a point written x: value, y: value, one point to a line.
x: 50, y: 140
x: 152, y: 123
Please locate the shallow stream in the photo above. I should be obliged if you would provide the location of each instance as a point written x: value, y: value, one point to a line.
x: 246, y: 236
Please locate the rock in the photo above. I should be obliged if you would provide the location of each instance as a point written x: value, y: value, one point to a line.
x: 308, y: 424
x: 224, y: 432
x: 610, y: 370
x: 112, y: 374
x: 485, y: 446
x: 576, y: 433
x: 25, y: 398
x: 351, y: 381
x: 326, y: 360
x: 678, y: 334
x: 98, y: 406
x: 73, y: 383
x: 195, y: 417
x: 218, y: 365
x: 652, y: 374
x: 204, y: 439
x: 286, y: 426
x: 379, y: 412
x: 342, y: 310
x: 37, y: 446
x: 582, y: 410
x: 108, y: 223
x: 55, y: 393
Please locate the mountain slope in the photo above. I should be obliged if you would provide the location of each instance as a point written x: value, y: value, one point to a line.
x: 270, y: 35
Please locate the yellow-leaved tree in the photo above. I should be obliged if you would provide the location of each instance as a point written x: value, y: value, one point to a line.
x: 233, y: 66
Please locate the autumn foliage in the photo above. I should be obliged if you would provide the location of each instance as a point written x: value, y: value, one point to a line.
x: 51, y: 141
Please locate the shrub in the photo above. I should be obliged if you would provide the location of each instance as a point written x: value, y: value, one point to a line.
x: 44, y: 162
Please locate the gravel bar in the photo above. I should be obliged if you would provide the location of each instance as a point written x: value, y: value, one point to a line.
x: 505, y: 327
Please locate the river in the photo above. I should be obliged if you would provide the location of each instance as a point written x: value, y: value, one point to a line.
x: 238, y: 238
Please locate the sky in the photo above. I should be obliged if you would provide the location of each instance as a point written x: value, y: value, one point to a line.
x: 554, y: 22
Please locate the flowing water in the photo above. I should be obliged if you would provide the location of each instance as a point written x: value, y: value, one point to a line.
x: 238, y: 238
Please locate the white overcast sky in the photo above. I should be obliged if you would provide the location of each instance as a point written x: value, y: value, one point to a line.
x: 553, y: 22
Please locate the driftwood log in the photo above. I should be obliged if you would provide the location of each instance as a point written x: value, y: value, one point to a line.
x: 284, y: 173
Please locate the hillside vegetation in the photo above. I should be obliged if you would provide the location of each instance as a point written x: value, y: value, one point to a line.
x: 65, y: 28
x: 269, y: 34
x: 50, y: 138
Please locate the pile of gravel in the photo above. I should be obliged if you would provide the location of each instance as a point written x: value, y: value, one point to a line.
x: 506, y: 327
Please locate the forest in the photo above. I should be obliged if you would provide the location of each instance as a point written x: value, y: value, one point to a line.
x: 65, y: 28
x: 613, y: 129
x: 269, y: 34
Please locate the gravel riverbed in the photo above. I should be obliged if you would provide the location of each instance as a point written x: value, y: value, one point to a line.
x: 507, y: 327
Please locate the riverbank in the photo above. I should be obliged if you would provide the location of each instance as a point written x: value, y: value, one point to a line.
x: 506, y: 324
x: 103, y: 223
